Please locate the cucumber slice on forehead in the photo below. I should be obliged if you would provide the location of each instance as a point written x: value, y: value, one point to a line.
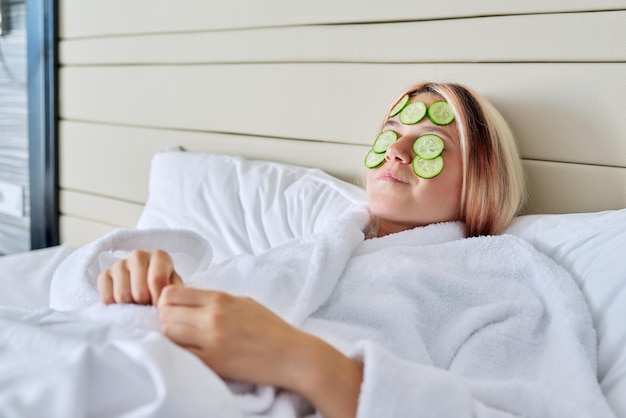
x: 413, y: 113
x: 399, y: 106
x: 383, y: 141
x: 428, y: 146
x: 374, y: 159
x: 427, y: 169
x: 440, y: 113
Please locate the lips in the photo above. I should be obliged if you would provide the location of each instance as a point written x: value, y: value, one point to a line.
x: 392, y: 177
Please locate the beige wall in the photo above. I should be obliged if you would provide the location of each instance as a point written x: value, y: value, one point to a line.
x: 309, y: 85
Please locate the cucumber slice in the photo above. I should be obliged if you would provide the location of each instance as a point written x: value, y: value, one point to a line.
x: 399, y: 106
x: 440, y: 113
x: 383, y: 141
x: 374, y: 159
x: 427, y: 169
x: 428, y: 146
x: 413, y: 113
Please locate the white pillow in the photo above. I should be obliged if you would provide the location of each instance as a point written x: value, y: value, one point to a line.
x: 243, y: 206
x: 592, y: 246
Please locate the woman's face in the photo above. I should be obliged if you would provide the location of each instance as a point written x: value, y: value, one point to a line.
x: 400, y: 199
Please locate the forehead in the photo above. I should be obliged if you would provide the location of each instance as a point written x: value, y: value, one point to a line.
x: 425, y: 97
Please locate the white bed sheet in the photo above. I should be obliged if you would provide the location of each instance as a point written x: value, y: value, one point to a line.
x: 83, y: 361
x: 25, y: 277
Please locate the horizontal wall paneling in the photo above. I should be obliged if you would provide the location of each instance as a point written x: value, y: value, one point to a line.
x: 554, y: 37
x: 555, y: 109
x: 565, y: 188
x: 308, y: 84
x: 76, y: 231
x: 89, y: 18
x: 102, y: 209
x: 88, y: 149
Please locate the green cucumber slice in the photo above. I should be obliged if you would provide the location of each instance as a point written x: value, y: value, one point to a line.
x: 383, y: 141
x: 428, y: 146
x: 413, y: 113
x: 440, y: 113
x: 427, y: 169
x: 374, y: 159
x: 399, y: 106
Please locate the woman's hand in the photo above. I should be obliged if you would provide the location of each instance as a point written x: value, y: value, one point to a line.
x: 242, y: 340
x: 140, y: 278
x: 235, y: 336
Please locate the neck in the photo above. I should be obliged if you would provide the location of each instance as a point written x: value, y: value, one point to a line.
x: 386, y: 227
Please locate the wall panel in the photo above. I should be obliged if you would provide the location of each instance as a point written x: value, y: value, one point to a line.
x: 104, y: 209
x: 77, y: 231
x: 89, y: 18
x: 565, y: 188
x: 554, y: 37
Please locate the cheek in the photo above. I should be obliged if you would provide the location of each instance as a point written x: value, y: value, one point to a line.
x: 454, y: 185
x: 454, y: 181
x: 447, y: 185
x: 370, y: 185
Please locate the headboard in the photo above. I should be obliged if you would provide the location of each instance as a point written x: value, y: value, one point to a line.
x: 308, y: 83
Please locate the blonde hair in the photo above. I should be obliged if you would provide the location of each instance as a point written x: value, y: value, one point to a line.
x: 493, y: 189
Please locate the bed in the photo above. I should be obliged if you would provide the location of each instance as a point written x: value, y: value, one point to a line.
x: 248, y: 206
x: 261, y: 141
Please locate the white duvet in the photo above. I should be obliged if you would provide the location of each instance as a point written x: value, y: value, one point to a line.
x: 445, y: 327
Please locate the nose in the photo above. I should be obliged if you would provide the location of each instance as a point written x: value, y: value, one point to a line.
x: 401, y: 150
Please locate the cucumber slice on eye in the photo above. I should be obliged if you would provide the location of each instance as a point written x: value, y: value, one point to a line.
x: 428, y: 146
x: 440, y: 113
x: 383, y: 141
x: 374, y: 159
x: 427, y: 169
x: 399, y: 106
x: 413, y: 113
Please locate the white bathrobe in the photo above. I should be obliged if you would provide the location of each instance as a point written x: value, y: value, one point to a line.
x: 445, y: 326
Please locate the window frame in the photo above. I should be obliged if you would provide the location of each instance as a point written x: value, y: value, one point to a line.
x: 42, y: 36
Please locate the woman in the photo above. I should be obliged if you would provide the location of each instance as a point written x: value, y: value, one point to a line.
x: 479, y: 189
x: 484, y: 184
